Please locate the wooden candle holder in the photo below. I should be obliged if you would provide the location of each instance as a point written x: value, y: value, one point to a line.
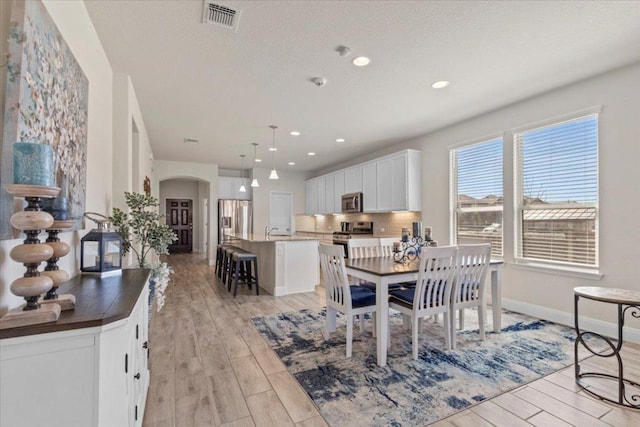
x: 58, y: 276
x: 31, y: 253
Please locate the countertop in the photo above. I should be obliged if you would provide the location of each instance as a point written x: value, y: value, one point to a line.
x: 99, y: 301
x: 259, y: 238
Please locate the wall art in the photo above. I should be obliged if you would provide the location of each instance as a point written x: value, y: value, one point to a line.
x: 47, y: 103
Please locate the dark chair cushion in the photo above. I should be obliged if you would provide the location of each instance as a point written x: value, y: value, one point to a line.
x: 411, y: 284
x: 405, y: 297
x: 372, y: 286
x: 363, y: 298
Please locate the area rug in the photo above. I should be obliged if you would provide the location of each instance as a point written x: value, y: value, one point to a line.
x: 357, y: 392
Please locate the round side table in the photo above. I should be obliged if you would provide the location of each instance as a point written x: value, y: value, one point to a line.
x: 626, y: 300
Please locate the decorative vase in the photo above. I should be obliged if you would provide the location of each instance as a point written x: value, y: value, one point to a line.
x: 33, y: 164
x: 58, y: 208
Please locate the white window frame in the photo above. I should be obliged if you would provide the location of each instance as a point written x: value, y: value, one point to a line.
x: 453, y: 188
x: 580, y: 270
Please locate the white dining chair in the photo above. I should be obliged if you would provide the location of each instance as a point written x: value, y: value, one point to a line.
x: 363, y: 248
x: 386, y: 245
x: 340, y: 296
x: 468, y: 291
x: 432, y: 293
x: 368, y: 248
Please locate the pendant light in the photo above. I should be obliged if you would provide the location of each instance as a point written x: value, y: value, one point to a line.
x: 273, y: 174
x: 254, y: 183
x: 242, y: 187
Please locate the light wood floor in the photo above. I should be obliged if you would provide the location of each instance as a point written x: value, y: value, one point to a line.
x: 210, y: 367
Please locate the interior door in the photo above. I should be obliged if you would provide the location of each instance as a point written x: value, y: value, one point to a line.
x: 180, y: 219
x: 280, y: 208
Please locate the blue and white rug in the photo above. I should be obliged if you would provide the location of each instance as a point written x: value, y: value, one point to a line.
x: 357, y: 392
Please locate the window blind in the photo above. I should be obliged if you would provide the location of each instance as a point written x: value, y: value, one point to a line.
x: 557, y: 166
x: 477, y: 193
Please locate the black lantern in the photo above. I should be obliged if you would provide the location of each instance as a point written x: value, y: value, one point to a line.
x: 101, y: 251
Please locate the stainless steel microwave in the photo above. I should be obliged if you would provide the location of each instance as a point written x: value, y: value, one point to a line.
x: 352, y: 203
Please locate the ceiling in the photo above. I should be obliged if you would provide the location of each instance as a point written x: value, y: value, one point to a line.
x: 225, y: 88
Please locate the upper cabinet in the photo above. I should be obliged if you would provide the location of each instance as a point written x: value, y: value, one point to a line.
x: 369, y: 187
x: 229, y: 188
x: 353, y: 179
x: 389, y: 183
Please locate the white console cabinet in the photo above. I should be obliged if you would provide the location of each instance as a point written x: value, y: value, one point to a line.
x: 87, y: 369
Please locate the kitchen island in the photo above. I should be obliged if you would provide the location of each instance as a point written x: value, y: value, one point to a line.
x: 286, y: 264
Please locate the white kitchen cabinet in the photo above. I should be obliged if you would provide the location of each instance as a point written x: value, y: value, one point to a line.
x: 229, y: 188
x: 329, y: 194
x: 338, y: 191
x: 322, y: 203
x: 87, y: 369
x: 369, y: 187
x: 311, y: 197
x: 384, y: 187
x: 406, y: 181
x: 389, y: 183
x: 353, y: 179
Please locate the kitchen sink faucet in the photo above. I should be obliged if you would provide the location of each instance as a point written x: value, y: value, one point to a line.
x: 267, y: 231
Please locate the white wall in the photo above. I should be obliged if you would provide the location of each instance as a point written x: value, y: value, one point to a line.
x: 288, y: 181
x: 131, y: 145
x: 74, y: 24
x: 207, y: 174
x: 178, y: 189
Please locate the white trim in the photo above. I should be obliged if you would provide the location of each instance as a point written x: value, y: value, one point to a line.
x: 557, y: 269
x: 564, y: 318
x: 596, y: 109
x: 474, y: 141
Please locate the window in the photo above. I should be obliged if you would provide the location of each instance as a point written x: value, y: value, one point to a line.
x: 557, y: 192
x: 476, y: 194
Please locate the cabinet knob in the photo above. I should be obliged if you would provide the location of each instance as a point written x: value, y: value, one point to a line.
x: 137, y: 376
x: 145, y: 344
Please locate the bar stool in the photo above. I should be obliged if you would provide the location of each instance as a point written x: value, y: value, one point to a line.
x: 219, y: 258
x: 227, y: 253
x: 241, y: 271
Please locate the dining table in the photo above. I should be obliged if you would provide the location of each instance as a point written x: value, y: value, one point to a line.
x: 385, y: 270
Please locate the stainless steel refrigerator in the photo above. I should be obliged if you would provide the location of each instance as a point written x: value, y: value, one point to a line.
x: 234, y: 216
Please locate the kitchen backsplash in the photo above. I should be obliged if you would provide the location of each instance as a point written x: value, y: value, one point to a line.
x: 390, y: 224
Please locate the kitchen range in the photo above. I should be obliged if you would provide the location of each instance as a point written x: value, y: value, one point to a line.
x: 350, y: 230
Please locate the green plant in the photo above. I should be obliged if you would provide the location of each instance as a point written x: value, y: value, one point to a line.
x: 141, y: 229
x: 142, y: 232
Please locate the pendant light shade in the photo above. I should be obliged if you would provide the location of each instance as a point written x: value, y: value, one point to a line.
x: 242, y: 187
x: 254, y: 183
x: 273, y: 174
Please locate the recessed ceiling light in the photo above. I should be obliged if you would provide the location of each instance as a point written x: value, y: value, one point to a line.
x: 258, y: 160
x: 191, y: 141
x: 295, y: 133
x: 440, y: 84
x: 311, y: 154
x: 273, y: 149
x: 340, y: 140
x: 361, y: 61
x: 292, y: 163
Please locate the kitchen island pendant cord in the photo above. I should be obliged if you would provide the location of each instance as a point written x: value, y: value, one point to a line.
x: 273, y: 174
x: 254, y: 183
x: 242, y: 187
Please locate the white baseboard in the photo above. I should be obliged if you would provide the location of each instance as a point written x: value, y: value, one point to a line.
x: 564, y: 318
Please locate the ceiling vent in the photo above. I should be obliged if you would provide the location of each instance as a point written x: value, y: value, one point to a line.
x: 217, y: 14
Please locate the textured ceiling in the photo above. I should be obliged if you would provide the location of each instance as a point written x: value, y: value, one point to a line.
x: 225, y: 88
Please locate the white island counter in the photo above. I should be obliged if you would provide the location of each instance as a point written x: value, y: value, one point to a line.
x: 286, y: 264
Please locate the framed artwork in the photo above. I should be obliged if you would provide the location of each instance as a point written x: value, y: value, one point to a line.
x: 147, y: 185
x: 47, y: 103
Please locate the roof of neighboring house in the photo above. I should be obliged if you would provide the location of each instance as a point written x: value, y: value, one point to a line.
x: 559, y: 214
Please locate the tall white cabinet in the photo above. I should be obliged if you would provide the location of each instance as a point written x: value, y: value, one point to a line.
x: 87, y: 369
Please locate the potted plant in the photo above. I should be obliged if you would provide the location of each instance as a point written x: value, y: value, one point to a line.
x: 143, y: 233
